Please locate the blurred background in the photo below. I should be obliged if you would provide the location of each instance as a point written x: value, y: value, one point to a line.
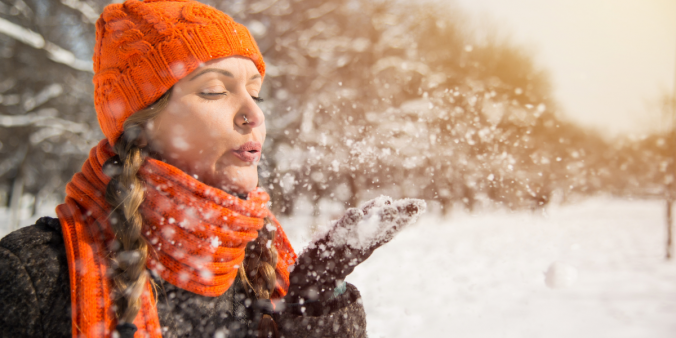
x: 542, y: 135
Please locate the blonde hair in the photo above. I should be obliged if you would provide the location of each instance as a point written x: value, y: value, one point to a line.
x: 258, y: 274
x: 125, y: 194
x: 258, y: 269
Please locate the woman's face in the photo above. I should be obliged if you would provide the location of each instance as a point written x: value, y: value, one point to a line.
x: 212, y: 127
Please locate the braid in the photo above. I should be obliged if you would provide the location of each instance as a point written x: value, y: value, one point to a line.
x: 258, y: 268
x: 125, y: 193
x: 258, y: 273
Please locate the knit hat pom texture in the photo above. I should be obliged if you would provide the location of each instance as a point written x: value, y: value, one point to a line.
x: 144, y: 48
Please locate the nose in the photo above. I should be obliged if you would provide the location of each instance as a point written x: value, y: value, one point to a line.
x: 250, y: 114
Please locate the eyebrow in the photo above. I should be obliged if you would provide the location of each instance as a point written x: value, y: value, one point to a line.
x: 222, y: 72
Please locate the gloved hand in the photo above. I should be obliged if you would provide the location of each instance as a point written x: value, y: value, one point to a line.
x: 351, y: 240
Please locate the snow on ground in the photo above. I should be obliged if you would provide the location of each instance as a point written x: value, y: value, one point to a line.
x: 483, y: 275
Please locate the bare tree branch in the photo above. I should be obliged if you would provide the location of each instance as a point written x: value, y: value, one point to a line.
x: 87, y: 11
x: 24, y: 35
x: 42, y: 118
x: 43, y: 96
x: 35, y: 40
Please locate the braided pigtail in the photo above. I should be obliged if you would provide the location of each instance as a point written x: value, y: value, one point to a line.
x: 258, y: 273
x: 125, y: 193
x: 258, y: 270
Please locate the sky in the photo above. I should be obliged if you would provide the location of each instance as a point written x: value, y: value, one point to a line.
x: 609, y: 60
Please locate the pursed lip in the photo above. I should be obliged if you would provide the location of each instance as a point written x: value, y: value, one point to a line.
x: 248, y: 152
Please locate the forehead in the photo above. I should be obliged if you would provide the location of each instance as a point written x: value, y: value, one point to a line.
x: 238, y: 66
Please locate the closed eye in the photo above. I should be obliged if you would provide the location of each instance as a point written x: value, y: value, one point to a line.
x: 257, y: 99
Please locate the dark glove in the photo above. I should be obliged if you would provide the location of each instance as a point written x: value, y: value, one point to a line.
x: 326, y: 262
x: 125, y: 330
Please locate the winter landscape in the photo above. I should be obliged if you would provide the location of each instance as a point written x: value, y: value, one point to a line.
x: 485, y: 274
x: 537, y: 224
x: 595, y: 268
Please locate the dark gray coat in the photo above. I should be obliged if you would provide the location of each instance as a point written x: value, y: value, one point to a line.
x: 35, y: 298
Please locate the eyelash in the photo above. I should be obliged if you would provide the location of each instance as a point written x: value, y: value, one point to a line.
x: 255, y: 98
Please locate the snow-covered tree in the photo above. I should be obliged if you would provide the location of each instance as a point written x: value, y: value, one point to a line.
x: 399, y: 98
x: 362, y: 98
x: 47, y: 119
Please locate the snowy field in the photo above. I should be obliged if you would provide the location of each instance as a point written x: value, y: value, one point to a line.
x: 483, y: 275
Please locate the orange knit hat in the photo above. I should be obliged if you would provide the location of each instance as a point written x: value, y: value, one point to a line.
x: 144, y: 48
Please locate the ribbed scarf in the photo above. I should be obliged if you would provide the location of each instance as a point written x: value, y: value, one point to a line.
x: 197, y: 235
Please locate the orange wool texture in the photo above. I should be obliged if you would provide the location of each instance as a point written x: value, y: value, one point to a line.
x: 145, y: 47
x: 197, y: 236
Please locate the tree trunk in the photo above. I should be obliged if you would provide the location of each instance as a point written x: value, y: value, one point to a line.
x: 17, y: 191
x: 670, y: 228
x: 446, y: 206
x: 15, y: 203
x: 354, y: 191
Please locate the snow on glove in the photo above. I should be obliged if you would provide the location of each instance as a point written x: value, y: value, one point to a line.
x: 351, y: 240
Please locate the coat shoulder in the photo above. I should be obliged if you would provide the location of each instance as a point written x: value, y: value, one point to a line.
x: 34, y: 281
x: 46, y: 230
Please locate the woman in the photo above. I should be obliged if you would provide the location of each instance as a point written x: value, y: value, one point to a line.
x: 164, y: 233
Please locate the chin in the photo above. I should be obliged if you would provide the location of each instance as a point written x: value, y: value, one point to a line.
x: 239, y: 189
x: 242, y: 186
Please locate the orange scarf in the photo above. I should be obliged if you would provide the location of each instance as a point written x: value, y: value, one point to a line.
x: 197, y: 236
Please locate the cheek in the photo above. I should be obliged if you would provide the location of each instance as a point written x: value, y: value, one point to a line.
x: 178, y: 138
x: 170, y: 137
x: 193, y: 130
